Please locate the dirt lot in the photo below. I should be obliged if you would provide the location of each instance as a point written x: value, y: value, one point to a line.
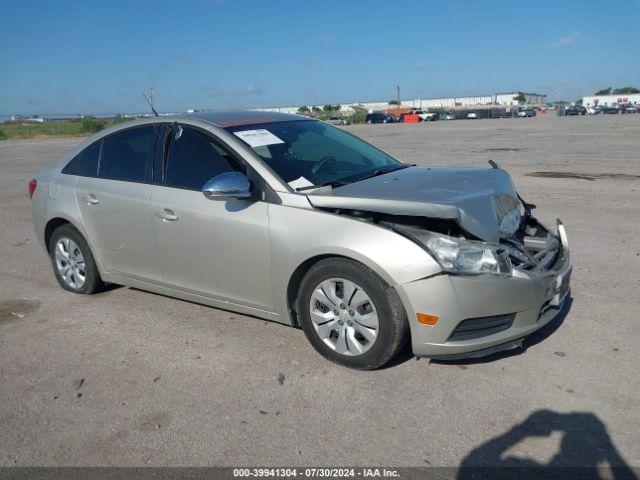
x: 131, y: 378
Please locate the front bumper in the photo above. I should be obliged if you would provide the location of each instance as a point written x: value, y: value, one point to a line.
x: 530, y: 298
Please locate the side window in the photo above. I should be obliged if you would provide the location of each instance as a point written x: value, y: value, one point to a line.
x: 125, y: 154
x: 194, y: 158
x: 85, y: 163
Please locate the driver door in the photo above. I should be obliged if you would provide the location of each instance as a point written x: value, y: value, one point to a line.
x: 217, y: 248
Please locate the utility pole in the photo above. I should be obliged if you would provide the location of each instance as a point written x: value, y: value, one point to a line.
x: 151, y: 97
x: 398, y: 95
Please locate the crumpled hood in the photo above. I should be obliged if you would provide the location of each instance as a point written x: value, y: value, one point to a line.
x: 474, y: 197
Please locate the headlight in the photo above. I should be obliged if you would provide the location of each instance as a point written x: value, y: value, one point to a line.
x: 461, y: 256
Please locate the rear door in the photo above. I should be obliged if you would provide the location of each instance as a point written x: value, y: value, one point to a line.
x: 218, y: 248
x: 114, y: 204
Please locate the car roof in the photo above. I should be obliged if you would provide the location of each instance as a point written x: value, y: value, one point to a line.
x: 233, y: 118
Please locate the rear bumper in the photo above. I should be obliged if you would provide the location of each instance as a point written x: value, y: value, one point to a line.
x: 529, y: 300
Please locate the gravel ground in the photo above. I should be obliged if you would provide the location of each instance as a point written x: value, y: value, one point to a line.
x: 132, y: 378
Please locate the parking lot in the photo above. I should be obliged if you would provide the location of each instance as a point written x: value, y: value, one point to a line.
x: 132, y: 378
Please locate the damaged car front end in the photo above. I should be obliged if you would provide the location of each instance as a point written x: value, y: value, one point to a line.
x: 503, y: 274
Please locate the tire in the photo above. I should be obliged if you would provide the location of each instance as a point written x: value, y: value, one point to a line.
x: 392, y: 329
x: 69, y: 238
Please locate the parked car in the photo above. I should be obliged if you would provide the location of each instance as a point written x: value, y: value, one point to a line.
x: 474, y: 115
x: 610, y: 109
x: 338, y: 121
x: 380, y: 117
x: 447, y: 116
x: 575, y: 110
x: 426, y: 116
x: 630, y: 109
x: 526, y: 112
x: 593, y: 111
x: 290, y: 219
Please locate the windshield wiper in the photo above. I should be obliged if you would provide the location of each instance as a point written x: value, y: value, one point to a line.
x: 333, y: 183
x: 381, y: 171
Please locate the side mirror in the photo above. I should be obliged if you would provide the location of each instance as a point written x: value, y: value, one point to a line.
x: 227, y: 185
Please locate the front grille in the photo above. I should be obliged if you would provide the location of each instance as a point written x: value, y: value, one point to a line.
x: 481, y: 327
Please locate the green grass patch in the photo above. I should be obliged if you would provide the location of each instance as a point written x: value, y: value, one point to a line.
x: 56, y: 128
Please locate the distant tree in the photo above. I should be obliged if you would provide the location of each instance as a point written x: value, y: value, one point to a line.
x: 394, y: 102
x: 91, y: 125
x: 303, y: 110
x: 520, y: 98
x: 331, y: 108
x: 624, y: 90
x: 606, y: 91
x: 316, y: 109
x: 578, y: 102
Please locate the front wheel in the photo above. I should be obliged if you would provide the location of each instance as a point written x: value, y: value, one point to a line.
x: 350, y: 315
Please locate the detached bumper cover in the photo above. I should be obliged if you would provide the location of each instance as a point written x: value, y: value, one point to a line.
x: 531, y: 298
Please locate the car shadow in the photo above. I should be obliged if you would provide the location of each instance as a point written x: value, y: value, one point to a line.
x: 528, y: 342
x: 585, y: 451
x: 108, y: 287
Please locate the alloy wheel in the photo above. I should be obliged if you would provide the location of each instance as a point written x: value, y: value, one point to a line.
x: 343, y: 316
x: 70, y: 263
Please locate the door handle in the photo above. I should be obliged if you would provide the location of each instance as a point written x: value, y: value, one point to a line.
x: 91, y: 199
x: 167, y: 215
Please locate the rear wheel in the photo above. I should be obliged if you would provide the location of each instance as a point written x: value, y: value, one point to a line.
x: 350, y: 315
x: 73, y: 264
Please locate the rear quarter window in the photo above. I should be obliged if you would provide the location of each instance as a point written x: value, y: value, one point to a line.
x: 85, y: 163
x: 126, y: 154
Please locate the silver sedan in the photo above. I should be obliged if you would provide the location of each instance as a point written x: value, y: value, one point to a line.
x: 287, y: 218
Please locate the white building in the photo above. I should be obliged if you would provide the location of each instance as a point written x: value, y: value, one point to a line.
x: 618, y: 99
x: 498, y: 99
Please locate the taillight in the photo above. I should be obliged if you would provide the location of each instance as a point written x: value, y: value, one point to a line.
x: 32, y: 187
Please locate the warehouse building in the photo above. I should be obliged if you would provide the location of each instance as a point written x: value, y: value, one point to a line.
x: 497, y: 99
x: 616, y: 99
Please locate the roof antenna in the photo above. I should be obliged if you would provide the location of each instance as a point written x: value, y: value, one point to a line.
x: 149, y: 101
x: 491, y: 162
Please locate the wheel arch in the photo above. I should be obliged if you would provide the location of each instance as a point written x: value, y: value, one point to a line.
x: 58, y: 220
x: 51, y: 226
x: 295, y: 279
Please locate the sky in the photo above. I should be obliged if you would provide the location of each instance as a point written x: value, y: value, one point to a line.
x: 96, y: 56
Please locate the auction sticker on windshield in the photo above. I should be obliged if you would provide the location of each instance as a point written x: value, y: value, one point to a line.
x: 258, y: 138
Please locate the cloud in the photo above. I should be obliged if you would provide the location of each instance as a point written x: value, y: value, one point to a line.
x: 420, y: 65
x: 212, y: 92
x: 573, y: 37
x: 186, y: 60
x: 325, y: 38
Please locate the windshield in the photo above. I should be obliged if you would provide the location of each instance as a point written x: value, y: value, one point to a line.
x: 305, y: 153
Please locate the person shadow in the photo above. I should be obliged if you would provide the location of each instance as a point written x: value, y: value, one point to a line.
x: 586, y: 451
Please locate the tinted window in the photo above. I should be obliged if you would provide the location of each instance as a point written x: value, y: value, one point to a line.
x: 124, y: 154
x: 193, y: 159
x: 86, y: 162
